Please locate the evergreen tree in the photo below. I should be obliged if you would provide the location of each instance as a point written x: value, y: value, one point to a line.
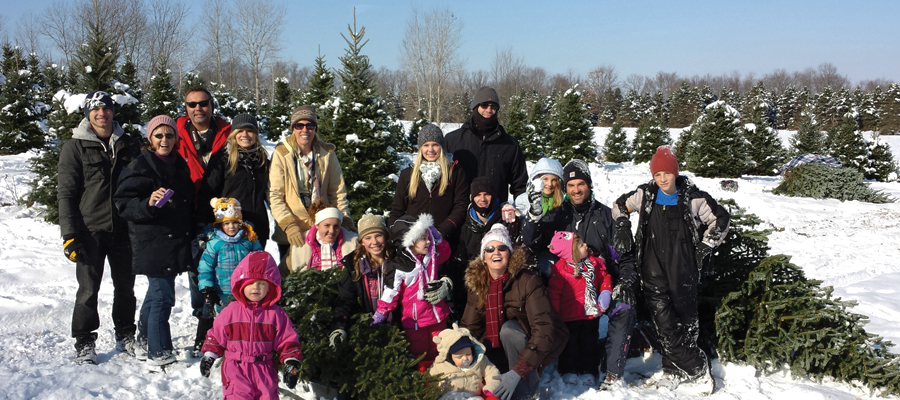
x: 518, y: 127
x: 610, y: 104
x: 846, y: 143
x: 890, y: 110
x: 319, y: 94
x: 21, y: 110
x: 650, y: 135
x: 866, y: 104
x: 685, y: 106
x: 161, y: 98
x: 809, y: 138
x: 409, y: 141
x: 764, y: 149
x: 882, y: 166
x: 96, y: 62
x: 278, y: 114
x: 788, y: 109
x: 368, y: 133
x: 631, y: 112
x: 616, y: 148
x: 823, y: 106
x: 718, y: 147
x: 539, y: 120
x: 127, y: 93
x: 193, y: 79
x: 659, y: 108
x: 571, y: 135
x: 683, y: 147
x: 822, y: 182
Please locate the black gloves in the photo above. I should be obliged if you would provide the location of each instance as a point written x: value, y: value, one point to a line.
x: 624, y: 293
x: 210, y: 302
x: 74, y: 250
x: 291, y: 372
x: 624, y: 240
x: 337, y: 336
x: 438, y: 290
x: 703, y: 252
x: 205, y: 365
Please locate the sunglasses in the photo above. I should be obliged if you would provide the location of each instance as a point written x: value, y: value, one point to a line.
x: 299, y: 125
x: 194, y: 104
x: 490, y: 249
x: 492, y: 106
x: 167, y: 135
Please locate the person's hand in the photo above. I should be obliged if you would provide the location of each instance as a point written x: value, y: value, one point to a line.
x: 604, y: 299
x: 438, y: 290
x: 211, y: 300
x: 294, y: 235
x: 206, y: 364
x: 623, y: 293
x: 377, y: 318
x: 535, y: 207
x: 155, y: 196
x: 508, y: 382
x: 703, y: 251
x: 436, y: 237
x: 291, y: 372
x: 508, y: 213
x: 624, y: 240
x: 337, y: 336
x: 74, y: 250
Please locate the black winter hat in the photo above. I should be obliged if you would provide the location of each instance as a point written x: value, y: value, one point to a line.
x: 96, y: 99
x: 460, y: 344
x: 244, y: 121
x: 485, y: 94
x: 577, y: 169
x: 481, y: 184
x: 431, y: 133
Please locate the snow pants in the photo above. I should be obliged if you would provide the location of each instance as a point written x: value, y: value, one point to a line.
x: 420, y: 340
x: 669, y: 278
x: 618, y: 338
x: 100, y: 247
x: 249, y: 378
x: 583, y: 353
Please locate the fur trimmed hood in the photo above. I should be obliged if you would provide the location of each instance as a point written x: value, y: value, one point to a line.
x: 478, y: 280
x: 407, y: 229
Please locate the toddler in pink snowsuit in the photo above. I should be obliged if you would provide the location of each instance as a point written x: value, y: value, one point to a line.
x: 250, y: 330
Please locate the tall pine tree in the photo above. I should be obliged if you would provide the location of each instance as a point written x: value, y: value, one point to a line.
x: 765, y: 149
x: 539, y: 120
x: 809, y: 138
x: 278, y: 114
x: 685, y: 106
x: 616, y: 148
x: 718, y: 147
x: 650, y: 135
x: 890, y: 110
x: 571, y: 135
x: 319, y: 94
x: 366, y: 133
x: 518, y: 127
x: 21, y: 110
x: 161, y: 99
x: 846, y: 143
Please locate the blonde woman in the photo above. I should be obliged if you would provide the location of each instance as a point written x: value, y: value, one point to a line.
x: 434, y: 184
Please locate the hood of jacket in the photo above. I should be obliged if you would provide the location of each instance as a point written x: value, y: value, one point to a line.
x: 446, y: 339
x: 84, y: 132
x: 478, y: 279
x: 255, y: 266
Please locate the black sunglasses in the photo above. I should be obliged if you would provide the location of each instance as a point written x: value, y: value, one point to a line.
x: 193, y: 104
x: 490, y: 105
x: 490, y: 249
x: 309, y: 125
x: 167, y: 135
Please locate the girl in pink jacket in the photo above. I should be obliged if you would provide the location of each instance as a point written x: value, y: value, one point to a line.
x: 250, y: 330
x: 412, y: 278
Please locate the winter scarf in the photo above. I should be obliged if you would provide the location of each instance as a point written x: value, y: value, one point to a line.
x: 431, y: 172
x: 485, y: 126
x: 590, y: 293
x: 546, y: 203
x: 323, y: 259
x: 374, y: 281
x: 484, y: 214
x: 248, y: 158
x: 493, y: 312
x: 312, y: 185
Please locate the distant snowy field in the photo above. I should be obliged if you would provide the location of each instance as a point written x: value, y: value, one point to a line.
x: 851, y: 246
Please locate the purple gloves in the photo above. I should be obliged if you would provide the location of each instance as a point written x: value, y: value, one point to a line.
x: 604, y: 298
x: 377, y: 318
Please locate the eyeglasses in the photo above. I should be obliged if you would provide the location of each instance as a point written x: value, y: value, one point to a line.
x: 167, y: 135
x: 194, y: 104
x: 490, y: 249
x: 309, y: 125
x: 490, y: 105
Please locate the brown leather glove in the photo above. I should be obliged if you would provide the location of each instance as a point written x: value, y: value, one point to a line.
x: 294, y: 235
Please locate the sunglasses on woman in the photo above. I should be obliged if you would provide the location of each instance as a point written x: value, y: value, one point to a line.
x: 490, y: 249
x: 167, y: 135
x: 309, y: 126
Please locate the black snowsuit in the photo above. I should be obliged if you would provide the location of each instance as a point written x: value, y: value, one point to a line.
x: 665, y: 245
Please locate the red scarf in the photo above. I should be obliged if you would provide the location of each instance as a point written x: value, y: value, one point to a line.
x: 493, y: 312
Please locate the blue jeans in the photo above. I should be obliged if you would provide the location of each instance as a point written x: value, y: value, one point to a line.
x: 154, y: 318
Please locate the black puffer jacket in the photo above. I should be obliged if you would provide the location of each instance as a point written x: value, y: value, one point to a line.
x: 473, y: 231
x: 88, y: 173
x: 448, y: 210
x: 160, y: 237
x: 250, y: 186
x: 498, y: 157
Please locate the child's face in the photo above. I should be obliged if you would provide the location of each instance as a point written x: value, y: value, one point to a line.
x: 665, y: 181
x: 256, y: 290
x: 374, y: 243
x: 582, y: 250
x: 328, y: 230
x: 421, y: 245
x: 231, y: 228
x: 462, y: 358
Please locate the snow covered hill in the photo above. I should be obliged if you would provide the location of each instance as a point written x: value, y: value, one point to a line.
x: 852, y: 246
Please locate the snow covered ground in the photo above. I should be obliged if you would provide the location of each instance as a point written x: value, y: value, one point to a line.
x: 851, y: 246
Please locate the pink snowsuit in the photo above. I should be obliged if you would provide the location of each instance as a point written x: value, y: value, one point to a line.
x: 248, y: 333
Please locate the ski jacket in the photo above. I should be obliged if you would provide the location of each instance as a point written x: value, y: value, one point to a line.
x: 160, y: 237
x: 525, y: 300
x: 221, y: 257
x: 707, y: 220
x: 187, y: 150
x: 250, y: 186
x: 497, y: 156
x: 88, y: 176
x: 300, y: 257
x: 448, y: 210
x: 403, y: 277
x: 250, y: 334
x: 475, y: 379
x: 284, y: 188
x: 474, y: 230
x: 566, y: 291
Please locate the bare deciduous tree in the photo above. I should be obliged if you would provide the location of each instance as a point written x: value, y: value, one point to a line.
x: 601, y: 78
x: 166, y: 41
x: 260, y: 23
x: 59, y: 26
x: 635, y: 82
x: 507, y: 70
x: 827, y: 76
x: 430, y: 55
x: 777, y: 81
x: 217, y: 36
x: 28, y: 33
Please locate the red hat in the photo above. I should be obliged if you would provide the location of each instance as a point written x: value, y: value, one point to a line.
x: 664, y: 160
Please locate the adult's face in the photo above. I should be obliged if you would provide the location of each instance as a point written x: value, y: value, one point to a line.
x: 487, y: 109
x: 101, y: 119
x: 431, y: 151
x: 482, y: 199
x: 578, y: 191
x: 497, y: 260
x: 199, y: 113
x: 328, y: 230
x: 246, y: 138
x: 304, y: 132
x: 163, y: 140
x: 551, y: 183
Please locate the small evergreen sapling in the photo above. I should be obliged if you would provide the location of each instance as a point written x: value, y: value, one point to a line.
x: 650, y: 135
x: 616, y: 148
x: 718, y: 148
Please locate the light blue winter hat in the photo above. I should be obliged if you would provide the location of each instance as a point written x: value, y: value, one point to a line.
x: 546, y: 166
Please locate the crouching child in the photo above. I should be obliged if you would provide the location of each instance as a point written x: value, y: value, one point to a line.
x: 250, y: 331
x: 466, y: 370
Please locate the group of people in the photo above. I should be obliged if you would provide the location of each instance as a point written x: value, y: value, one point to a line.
x: 524, y: 282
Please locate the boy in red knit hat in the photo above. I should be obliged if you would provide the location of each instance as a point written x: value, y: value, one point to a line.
x: 679, y: 225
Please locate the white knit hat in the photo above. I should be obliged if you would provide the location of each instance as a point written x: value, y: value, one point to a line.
x: 330, y: 212
x: 498, y: 233
x: 546, y: 166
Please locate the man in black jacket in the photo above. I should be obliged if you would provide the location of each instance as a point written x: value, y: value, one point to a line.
x: 92, y: 231
x: 483, y: 148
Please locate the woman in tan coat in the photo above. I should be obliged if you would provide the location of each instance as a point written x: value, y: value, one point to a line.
x: 304, y: 170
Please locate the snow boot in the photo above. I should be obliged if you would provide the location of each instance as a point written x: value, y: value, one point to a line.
x: 610, y: 382
x: 86, y: 353
x: 125, y: 344
x: 160, y: 364
x: 203, y: 326
x: 140, y: 349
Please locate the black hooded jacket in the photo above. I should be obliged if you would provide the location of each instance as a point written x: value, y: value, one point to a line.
x: 497, y: 156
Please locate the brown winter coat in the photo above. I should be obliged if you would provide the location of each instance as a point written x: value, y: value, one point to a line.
x: 475, y: 379
x: 524, y: 300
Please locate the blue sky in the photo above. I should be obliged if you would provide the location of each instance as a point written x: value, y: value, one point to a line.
x: 634, y: 36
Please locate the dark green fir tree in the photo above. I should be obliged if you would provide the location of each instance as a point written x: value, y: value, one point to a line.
x: 367, y: 135
x: 764, y: 149
x: 616, y: 148
x: 822, y: 182
x: 610, y: 104
x: 319, y: 93
x: 685, y: 105
x: 409, y: 141
x: 632, y: 111
x: 846, y: 143
x: 718, y: 148
x: 278, y: 114
x: 518, y: 127
x: 889, y: 115
x: 127, y: 94
x: 193, y: 79
x: 882, y: 166
x: 571, y: 135
x: 809, y: 138
x: 161, y: 99
x: 21, y: 108
x: 650, y: 135
x: 539, y: 120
